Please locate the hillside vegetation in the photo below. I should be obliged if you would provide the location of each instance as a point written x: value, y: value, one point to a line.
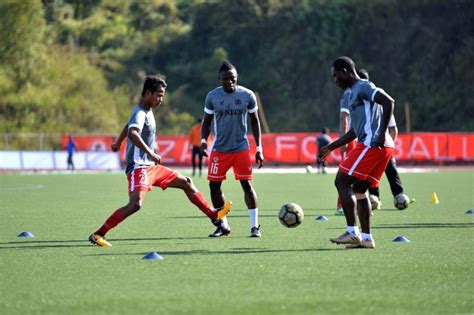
x: 77, y: 66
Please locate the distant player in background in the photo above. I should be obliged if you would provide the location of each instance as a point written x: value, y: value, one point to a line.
x: 370, y: 111
x: 144, y: 168
x: 71, y: 148
x: 229, y: 105
x: 194, y: 138
x: 322, y: 140
x: 391, y: 171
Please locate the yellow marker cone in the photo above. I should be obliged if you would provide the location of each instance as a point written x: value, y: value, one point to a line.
x: 434, y: 199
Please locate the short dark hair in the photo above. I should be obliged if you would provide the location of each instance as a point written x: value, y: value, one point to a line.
x: 344, y: 62
x: 325, y: 130
x: 226, y: 66
x: 363, y: 74
x: 152, y: 83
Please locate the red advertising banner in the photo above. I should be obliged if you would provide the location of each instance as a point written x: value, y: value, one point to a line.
x: 301, y: 148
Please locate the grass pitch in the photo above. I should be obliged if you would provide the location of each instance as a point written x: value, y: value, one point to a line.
x: 287, y: 271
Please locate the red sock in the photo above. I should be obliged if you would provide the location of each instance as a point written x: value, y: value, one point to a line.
x: 110, y: 223
x: 203, y: 205
x: 339, y: 205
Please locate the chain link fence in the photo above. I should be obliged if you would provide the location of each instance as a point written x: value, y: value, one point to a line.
x: 30, y: 141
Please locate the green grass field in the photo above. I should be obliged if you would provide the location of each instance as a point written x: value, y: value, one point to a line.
x: 287, y: 271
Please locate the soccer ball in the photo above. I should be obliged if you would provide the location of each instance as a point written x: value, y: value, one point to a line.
x: 401, y: 201
x: 291, y: 215
x: 375, y: 202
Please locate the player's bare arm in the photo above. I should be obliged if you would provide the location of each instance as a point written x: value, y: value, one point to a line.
x: 205, y: 132
x: 134, y: 136
x: 387, y: 103
x: 343, y: 127
x: 257, y: 135
x: 345, y: 139
x: 123, y: 134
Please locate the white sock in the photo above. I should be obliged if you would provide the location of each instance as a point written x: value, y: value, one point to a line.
x: 253, y: 213
x: 354, y: 230
x: 225, y: 223
x: 367, y: 237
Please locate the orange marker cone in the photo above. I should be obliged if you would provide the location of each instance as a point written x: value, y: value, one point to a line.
x: 434, y: 199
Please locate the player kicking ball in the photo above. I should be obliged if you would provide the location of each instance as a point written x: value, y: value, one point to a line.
x: 370, y: 111
x: 144, y: 168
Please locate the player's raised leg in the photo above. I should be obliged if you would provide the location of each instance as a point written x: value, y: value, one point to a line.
x: 193, y: 194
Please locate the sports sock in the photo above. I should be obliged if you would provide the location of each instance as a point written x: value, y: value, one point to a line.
x: 225, y: 223
x: 110, y: 223
x: 354, y: 230
x: 198, y: 200
x: 253, y: 213
x: 339, y: 204
x: 367, y: 237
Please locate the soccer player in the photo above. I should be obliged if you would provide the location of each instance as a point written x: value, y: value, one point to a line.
x: 144, y: 168
x: 194, y: 138
x: 229, y: 105
x: 370, y: 111
x: 391, y: 171
x: 323, y: 140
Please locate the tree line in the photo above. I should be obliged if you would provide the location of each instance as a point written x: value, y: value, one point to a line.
x: 77, y: 66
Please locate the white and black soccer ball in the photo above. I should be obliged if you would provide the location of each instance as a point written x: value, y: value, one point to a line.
x: 401, y: 201
x: 291, y: 215
x: 375, y: 202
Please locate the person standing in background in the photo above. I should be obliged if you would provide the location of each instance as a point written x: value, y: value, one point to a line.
x: 71, y: 148
x: 194, y: 138
x: 322, y: 140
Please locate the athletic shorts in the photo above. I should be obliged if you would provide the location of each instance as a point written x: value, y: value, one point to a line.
x: 366, y: 163
x: 220, y: 163
x: 143, y: 178
x: 349, y: 147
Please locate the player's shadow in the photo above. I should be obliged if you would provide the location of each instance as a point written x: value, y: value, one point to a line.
x: 418, y: 226
x: 43, y: 246
x: 233, y: 251
x: 423, y: 225
x: 35, y: 244
x: 308, y: 212
x: 230, y: 216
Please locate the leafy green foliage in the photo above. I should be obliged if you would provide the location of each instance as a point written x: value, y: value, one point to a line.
x: 78, y: 66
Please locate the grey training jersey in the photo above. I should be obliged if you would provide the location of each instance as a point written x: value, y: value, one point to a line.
x: 366, y: 115
x: 344, y: 105
x: 230, y: 112
x: 144, y: 120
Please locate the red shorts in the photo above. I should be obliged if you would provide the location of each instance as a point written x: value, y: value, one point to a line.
x: 143, y: 178
x: 366, y: 163
x: 220, y: 163
x: 349, y: 147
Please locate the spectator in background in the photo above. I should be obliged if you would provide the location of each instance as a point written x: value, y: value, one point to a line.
x: 71, y: 148
x: 194, y: 137
x: 323, y: 140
